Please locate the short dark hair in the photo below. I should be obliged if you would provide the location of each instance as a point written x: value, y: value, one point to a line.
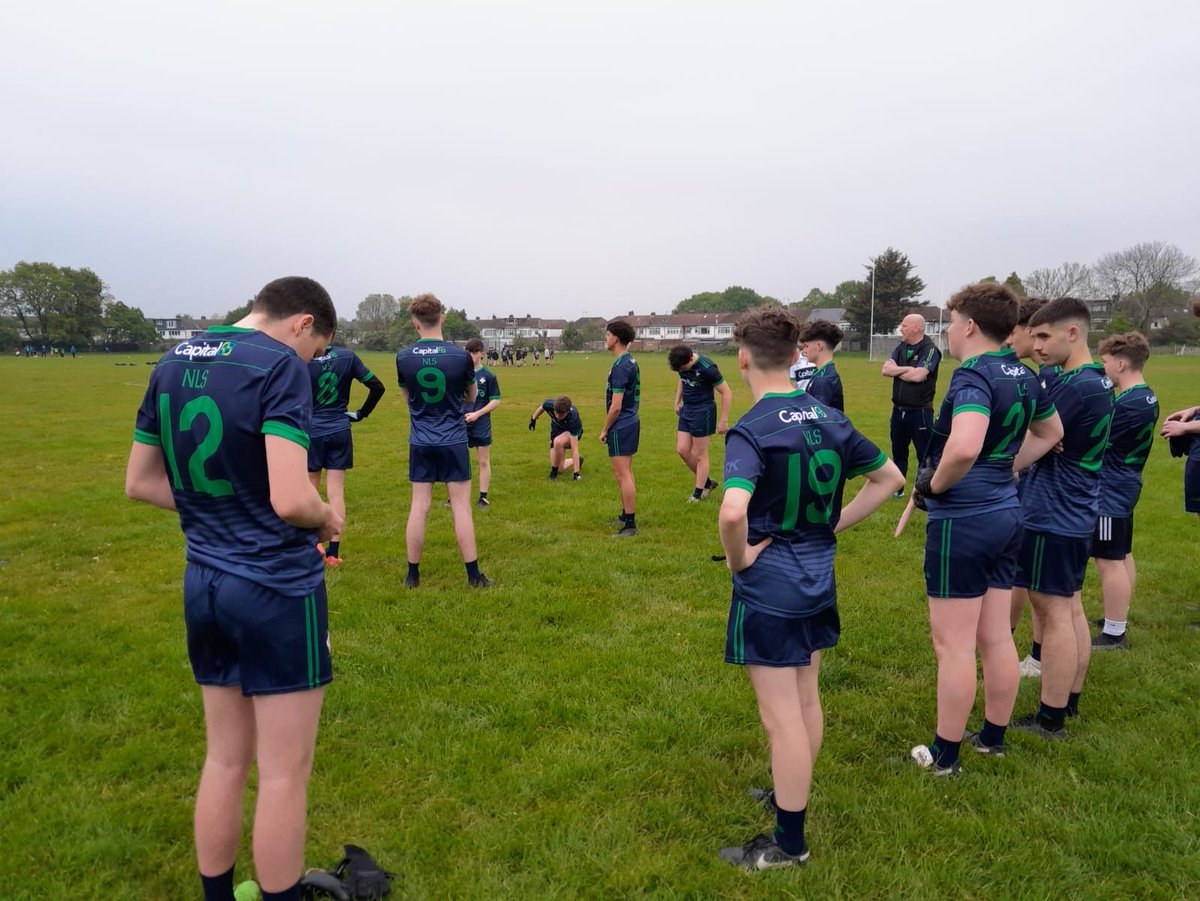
x: 679, y: 356
x: 822, y: 330
x: 1131, y: 346
x: 992, y: 305
x: 473, y: 346
x: 768, y: 335
x: 1062, y: 310
x: 622, y: 331
x: 562, y: 405
x: 426, y: 309
x: 294, y: 294
x: 1029, y: 306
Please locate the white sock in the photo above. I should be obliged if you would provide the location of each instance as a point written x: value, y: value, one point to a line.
x: 1114, y: 628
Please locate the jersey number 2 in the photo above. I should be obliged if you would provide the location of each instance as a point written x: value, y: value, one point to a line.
x: 198, y: 407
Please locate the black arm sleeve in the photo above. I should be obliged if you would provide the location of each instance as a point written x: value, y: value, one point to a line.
x: 376, y: 388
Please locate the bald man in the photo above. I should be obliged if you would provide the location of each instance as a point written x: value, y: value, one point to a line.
x: 912, y: 368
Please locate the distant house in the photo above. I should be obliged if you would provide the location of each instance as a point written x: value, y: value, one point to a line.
x: 177, y: 328
x: 836, y: 315
x: 496, y: 333
x: 696, y: 328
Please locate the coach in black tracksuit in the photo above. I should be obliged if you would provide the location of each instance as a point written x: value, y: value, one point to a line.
x: 913, y: 370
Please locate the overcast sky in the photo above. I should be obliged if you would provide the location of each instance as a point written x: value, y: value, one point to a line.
x: 562, y: 158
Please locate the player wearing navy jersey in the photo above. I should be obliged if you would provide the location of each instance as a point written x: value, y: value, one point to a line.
x: 222, y: 438
x: 566, y: 431
x: 699, y: 378
x: 621, y: 429
x: 435, y: 379
x: 974, y: 531
x: 1060, y: 506
x: 818, y: 340
x: 786, y: 463
x: 331, y: 446
x: 479, y: 419
x: 913, y: 369
x: 1135, y: 419
x: 1182, y: 429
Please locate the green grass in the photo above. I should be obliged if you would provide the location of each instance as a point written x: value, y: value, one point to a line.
x: 572, y: 732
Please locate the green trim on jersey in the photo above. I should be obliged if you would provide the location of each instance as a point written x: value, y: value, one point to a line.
x: 972, y: 408
x: 871, y: 467
x: 1050, y: 412
x: 744, y: 484
x: 283, y: 430
x: 143, y: 437
x: 799, y: 392
x: 367, y: 377
x: 230, y: 330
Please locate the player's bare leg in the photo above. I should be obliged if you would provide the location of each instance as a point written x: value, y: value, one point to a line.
x: 230, y: 737
x: 414, y: 533
x: 999, y: 657
x: 700, y: 457
x: 953, y: 623
x: 464, y: 525
x: 622, y: 468
x: 1060, y: 647
x: 810, y: 703
x: 1083, y: 643
x: 484, y: 456
x: 683, y: 447
x: 335, y: 492
x: 782, y: 693
x: 1116, y: 587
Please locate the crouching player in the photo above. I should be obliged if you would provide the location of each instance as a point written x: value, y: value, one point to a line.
x: 786, y: 463
x: 221, y: 437
x: 975, y: 528
x: 566, y: 431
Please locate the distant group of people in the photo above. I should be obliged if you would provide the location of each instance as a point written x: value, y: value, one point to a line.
x: 238, y: 424
x: 510, y: 356
x: 32, y: 350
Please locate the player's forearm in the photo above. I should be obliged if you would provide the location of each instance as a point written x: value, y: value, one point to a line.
x: 881, y: 485
x: 146, y: 477
x: 613, y: 412
x: 488, y: 407
x: 734, y: 530
x: 914, y: 374
x: 1043, y: 434
x: 726, y: 396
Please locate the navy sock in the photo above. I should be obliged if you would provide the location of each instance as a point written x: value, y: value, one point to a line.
x: 1073, y: 703
x: 332, y: 549
x: 288, y: 894
x: 628, y: 519
x: 1036, y: 651
x: 696, y: 492
x: 483, y: 495
x: 991, y: 734
x: 473, y: 569
x: 945, y: 753
x: 554, y: 472
x: 414, y: 570
x: 1051, y: 717
x: 789, y: 830
x: 218, y: 888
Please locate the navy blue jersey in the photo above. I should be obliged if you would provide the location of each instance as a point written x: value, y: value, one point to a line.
x: 825, y: 385
x: 1062, y: 494
x: 1004, y: 389
x: 332, y: 375
x: 1135, y: 416
x: 698, y: 382
x: 211, y: 401
x: 801, y: 372
x: 794, y: 455
x: 435, y: 374
x: 487, y: 389
x: 923, y: 355
x: 625, y: 379
x: 570, y: 423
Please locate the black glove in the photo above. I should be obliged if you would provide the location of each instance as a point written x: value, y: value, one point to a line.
x: 1180, y: 445
x: 923, y: 484
x: 532, y: 424
x: 918, y: 500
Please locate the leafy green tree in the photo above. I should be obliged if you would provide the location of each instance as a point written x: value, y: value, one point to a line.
x: 53, y: 304
x: 845, y: 292
x: 814, y: 299
x: 733, y: 299
x: 1146, y: 279
x: 896, y: 290
x: 1180, y: 329
x: 236, y: 313
x: 1119, y: 324
x: 571, y: 338
x: 127, y: 325
x: 1014, y: 282
x: 457, y: 326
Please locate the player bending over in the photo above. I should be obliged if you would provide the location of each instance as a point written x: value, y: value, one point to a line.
x: 699, y: 377
x: 566, y: 431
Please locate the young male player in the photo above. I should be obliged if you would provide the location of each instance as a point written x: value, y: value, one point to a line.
x: 1135, y: 418
x: 974, y: 530
x: 434, y: 377
x: 623, y: 395
x: 222, y: 437
x: 800, y: 373
x: 818, y: 340
x: 566, y: 431
x: 1182, y: 428
x: 786, y: 463
x: 479, y: 419
x: 699, y: 377
x: 331, y: 446
x: 1060, y: 504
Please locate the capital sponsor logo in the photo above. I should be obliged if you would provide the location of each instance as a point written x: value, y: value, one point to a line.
x: 812, y: 414
x: 1151, y: 400
x: 428, y: 351
x: 204, y: 351
x: 1106, y: 382
x: 1017, y: 370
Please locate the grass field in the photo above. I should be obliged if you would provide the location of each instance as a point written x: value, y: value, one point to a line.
x: 573, y: 731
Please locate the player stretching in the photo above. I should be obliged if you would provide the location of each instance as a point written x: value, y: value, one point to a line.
x: 221, y: 437
x: 974, y: 530
x: 1060, y: 505
x: 566, y: 431
x: 621, y: 426
x: 697, y: 412
x: 786, y: 463
x: 1135, y: 416
x: 818, y: 340
x: 332, y: 446
x: 434, y: 378
x: 479, y: 419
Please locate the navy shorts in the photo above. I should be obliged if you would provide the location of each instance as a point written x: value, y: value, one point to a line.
x: 334, y: 451
x: 479, y: 440
x: 1113, y: 538
x: 444, y: 463
x: 1052, y: 564
x: 965, y: 557
x: 1191, y: 483
x: 623, y: 438
x: 760, y: 639
x: 699, y: 422
x: 242, y: 633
